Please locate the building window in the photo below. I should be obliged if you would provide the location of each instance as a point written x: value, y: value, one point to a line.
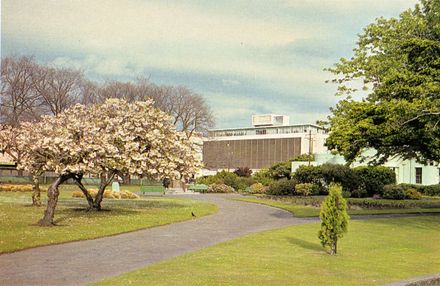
x: 418, y: 175
x: 261, y: 131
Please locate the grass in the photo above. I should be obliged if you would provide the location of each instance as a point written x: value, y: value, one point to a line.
x: 299, y: 210
x: 18, y: 219
x: 373, y: 252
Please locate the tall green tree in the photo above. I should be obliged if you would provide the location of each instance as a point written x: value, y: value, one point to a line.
x: 334, y: 218
x: 397, y: 61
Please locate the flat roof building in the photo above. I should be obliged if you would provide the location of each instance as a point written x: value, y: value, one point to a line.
x: 271, y: 139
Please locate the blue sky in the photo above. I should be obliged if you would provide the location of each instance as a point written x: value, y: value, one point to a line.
x: 244, y: 57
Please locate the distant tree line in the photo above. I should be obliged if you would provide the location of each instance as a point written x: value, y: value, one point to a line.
x: 29, y: 90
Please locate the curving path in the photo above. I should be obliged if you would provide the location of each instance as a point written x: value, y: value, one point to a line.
x: 77, y: 263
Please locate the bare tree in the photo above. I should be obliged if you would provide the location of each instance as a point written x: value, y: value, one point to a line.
x: 90, y: 92
x: 18, y: 101
x: 190, y: 111
x: 122, y: 90
x: 58, y: 89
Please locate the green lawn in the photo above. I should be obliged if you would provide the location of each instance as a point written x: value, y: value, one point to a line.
x: 299, y: 210
x: 373, y: 252
x: 18, y: 218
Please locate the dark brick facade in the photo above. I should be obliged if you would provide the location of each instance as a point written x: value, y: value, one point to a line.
x: 252, y: 153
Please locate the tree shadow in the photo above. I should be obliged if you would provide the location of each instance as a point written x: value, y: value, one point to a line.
x: 305, y: 244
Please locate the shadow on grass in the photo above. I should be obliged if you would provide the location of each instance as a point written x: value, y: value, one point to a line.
x: 305, y: 244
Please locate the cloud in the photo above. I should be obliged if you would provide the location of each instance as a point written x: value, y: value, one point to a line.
x: 230, y: 82
x: 244, y: 56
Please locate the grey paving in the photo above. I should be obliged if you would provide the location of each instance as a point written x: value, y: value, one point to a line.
x: 430, y: 280
x: 78, y: 263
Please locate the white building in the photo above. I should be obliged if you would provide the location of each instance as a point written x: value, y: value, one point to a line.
x: 271, y: 139
x: 407, y: 171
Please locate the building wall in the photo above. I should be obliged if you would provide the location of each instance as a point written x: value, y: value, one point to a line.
x: 252, y: 153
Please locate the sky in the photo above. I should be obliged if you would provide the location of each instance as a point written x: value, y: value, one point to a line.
x: 244, y: 57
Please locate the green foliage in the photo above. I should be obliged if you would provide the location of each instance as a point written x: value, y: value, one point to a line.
x: 243, y: 172
x: 227, y: 178
x: 412, y: 194
x: 334, y: 218
x: 340, y: 174
x: 283, y: 187
x: 304, y: 158
x: 360, y: 182
x: 308, y: 174
x: 257, y: 188
x: 305, y: 189
x: 322, y: 176
x: 373, y: 178
x: 431, y: 190
x: 399, y: 59
x: 393, y: 192
x: 281, y: 170
x: 403, y: 191
x: 263, y: 177
x: 393, y: 204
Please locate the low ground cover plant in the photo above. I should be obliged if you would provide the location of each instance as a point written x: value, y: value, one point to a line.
x: 219, y: 188
x: 257, y: 188
x: 16, y: 188
x: 353, y: 203
x: 108, y: 194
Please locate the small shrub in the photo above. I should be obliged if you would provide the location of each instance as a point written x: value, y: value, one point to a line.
x: 340, y: 174
x: 282, y: 187
x: 412, y: 194
x: 219, y: 188
x: 227, y: 178
x: 257, y: 188
x: 308, y: 174
x: 281, y: 170
x: 263, y: 177
x: 334, y: 218
x: 16, y: 188
x: 108, y: 194
x: 77, y: 194
x: 431, y: 190
x: 346, y: 194
x: 305, y: 189
x: 360, y: 192
x: 393, y: 192
x: 374, y: 178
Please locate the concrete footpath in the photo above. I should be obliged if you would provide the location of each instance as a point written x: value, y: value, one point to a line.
x: 78, y: 263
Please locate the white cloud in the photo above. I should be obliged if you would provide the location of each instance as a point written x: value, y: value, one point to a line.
x: 230, y: 82
x: 243, y: 49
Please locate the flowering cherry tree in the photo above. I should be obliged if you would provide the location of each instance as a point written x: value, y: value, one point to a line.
x: 109, y: 139
x: 11, y: 143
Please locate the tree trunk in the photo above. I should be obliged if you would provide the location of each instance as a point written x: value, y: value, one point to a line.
x: 100, y: 195
x: 36, y: 195
x: 333, y: 249
x: 52, y: 194
x: 84, y: 190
